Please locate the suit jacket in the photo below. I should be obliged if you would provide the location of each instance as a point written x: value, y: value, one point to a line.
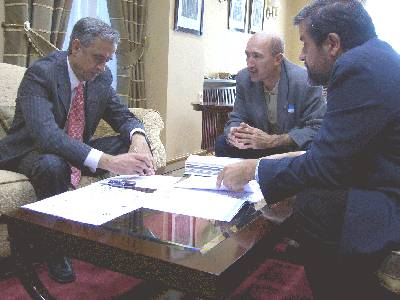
x: 42, y: 106
x: 357, y: 148
x: 301, y: 124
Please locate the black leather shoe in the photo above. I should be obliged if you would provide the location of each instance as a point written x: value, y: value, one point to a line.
x: 60, y: 269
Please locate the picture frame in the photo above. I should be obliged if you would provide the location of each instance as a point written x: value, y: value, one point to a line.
x: 256, y: 19
x: 189, y: 16
x: 237, y: 15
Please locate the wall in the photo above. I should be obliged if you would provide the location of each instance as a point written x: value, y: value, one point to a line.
x: 1, y: 30
x: 156, y: 57
x: 223, y: 48
x: 176, y: 63
x: 175, y: 80
x: 291, y: 33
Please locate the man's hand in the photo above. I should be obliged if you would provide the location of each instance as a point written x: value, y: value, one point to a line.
x: 137, y: 161
x: 139, y: 145
x: 247, y: 137
x: 237, y: 175
x: 127, y: 164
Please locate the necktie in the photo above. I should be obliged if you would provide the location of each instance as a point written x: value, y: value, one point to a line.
x: 76, y: 125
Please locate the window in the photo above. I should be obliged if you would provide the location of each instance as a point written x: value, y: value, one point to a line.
x: 96, y: 9
x: 384, y: 14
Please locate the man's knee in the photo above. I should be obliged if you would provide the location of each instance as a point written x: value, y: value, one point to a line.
x: 221, y: 146
x: 51, y: 166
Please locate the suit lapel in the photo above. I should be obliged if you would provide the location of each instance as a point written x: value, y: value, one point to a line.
x: 93, y: 95
x: 64, y: 84
x: 283, y: 95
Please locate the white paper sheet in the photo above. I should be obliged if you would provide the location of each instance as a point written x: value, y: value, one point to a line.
x: 151, y: 182
x: 206, y: 204
x: 98, y: 203
x: 95, y: 204
x: 210, y: 183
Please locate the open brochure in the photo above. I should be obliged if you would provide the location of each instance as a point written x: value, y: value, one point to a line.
x: 207, y: 165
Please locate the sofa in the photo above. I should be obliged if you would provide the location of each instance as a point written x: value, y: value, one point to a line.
x: 15, y: 188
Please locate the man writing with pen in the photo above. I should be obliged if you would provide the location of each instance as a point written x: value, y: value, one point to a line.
x: 60, y: 102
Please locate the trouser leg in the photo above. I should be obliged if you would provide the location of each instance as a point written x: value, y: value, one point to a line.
x: 49, y: 174
x: 318, y: 220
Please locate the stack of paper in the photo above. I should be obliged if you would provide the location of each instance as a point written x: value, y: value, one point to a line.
x: 207, y: 165
x: 251, y: 191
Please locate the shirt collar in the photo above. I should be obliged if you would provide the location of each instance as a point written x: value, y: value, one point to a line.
x: 274, y: 90
x: 73, y: 80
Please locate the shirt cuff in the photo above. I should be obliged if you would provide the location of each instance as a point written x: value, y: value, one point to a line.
x: 92, y: 160
x: 256, y: 174
x: 140, y: 130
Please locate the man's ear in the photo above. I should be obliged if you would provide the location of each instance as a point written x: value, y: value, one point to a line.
x: 333, y: 45
x: 75, y: 46
x: 278, y: 58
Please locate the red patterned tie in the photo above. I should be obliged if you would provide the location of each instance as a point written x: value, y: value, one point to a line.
x: 76, y: 125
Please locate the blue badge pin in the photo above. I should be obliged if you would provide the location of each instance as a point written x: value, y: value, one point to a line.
x: 290, y: 108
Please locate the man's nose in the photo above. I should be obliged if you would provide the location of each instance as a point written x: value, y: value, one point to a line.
x: 250, y: 62
x: 302, y: 57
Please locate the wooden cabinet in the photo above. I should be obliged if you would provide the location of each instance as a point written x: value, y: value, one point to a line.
x: 218, y: 99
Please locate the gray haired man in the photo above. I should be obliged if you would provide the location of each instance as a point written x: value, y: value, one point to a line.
x: 60, y: 102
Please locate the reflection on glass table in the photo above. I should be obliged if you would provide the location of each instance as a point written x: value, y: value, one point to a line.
x: 182, y: 231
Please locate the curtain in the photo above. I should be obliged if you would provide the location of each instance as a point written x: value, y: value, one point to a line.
x: 128, y: 17
x: 33, y: 28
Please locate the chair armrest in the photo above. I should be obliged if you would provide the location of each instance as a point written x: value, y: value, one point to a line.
x: 153, y: 124
x: 389, y: 272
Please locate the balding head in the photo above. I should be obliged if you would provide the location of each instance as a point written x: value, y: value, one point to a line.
x: 270, y: 41
x: 264, y: 54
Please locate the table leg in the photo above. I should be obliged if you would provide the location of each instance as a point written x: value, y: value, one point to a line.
x: 21, y: 252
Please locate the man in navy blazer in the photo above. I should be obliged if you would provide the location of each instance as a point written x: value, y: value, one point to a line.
x: 38, y: 144
x: 275, y: 109
x: 348, y: 183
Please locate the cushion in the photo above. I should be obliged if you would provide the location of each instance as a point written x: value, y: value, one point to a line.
x: 16, y: 190
x: 6, y: 116
x: 389, y: 272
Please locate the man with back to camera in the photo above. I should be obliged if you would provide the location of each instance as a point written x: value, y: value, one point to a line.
x: 275, y: 109
x: 59, y: 104
x: 347, y: 211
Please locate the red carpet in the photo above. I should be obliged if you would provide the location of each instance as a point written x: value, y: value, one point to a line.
x: 91, y: 283
x: 273, y: 280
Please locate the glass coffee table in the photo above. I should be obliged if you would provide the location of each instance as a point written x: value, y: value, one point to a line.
x: 200, y: 257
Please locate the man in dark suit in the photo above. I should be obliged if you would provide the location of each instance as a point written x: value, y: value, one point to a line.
x: 275, y: 109
x: 347, y: 184
x: 60, y: 102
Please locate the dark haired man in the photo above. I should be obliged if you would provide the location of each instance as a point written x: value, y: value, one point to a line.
x: 60, y: 102
x: 275, y: 109
x: 348, y: 194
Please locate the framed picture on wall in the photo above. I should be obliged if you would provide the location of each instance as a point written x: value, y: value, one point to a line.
x: 237, y: 15
x: 256, y: 15
x: 189, y: 16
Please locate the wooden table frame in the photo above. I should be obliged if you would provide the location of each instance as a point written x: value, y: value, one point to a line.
x: 196, y: 274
